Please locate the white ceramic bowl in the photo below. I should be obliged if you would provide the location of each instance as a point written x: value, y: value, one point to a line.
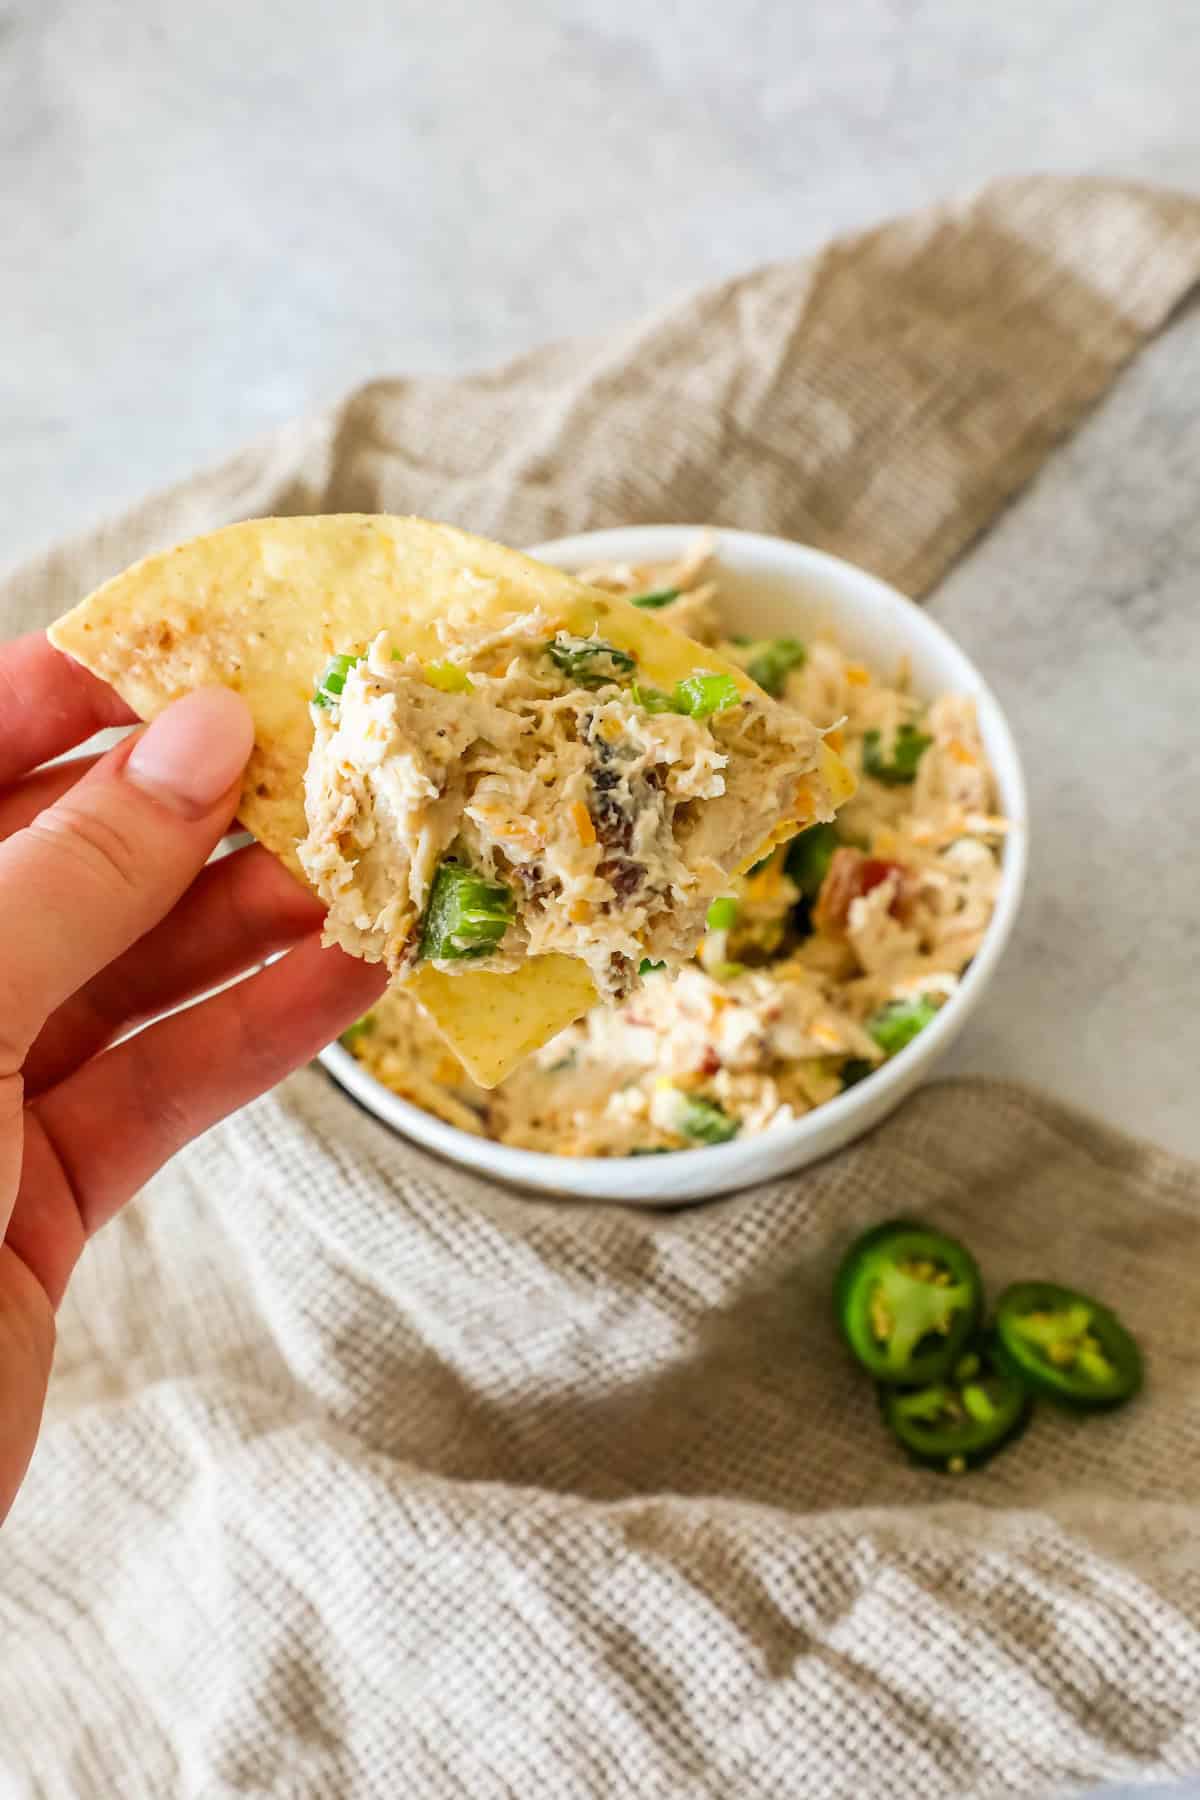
x: 769, y: 588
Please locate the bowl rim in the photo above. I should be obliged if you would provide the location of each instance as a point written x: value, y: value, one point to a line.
x: 543, y: 1169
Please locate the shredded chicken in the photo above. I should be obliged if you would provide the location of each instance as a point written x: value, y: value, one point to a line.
x: 606, y: 824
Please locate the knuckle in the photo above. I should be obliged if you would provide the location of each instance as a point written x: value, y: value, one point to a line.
x: 167, y: 1111
x: 98, y: 847
x: 257, y: 1038
x: 12, y: 1092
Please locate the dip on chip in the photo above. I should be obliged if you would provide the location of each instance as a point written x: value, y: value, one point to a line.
x: 517, y: 791
x: 525, y: 793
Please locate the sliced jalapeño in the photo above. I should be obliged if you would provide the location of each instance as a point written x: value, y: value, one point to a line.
x: 960, y: 1422
x: 908, y: 1298
x: 1066, y: 1345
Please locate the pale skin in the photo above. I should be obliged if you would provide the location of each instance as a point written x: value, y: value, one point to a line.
x: 108, y: 918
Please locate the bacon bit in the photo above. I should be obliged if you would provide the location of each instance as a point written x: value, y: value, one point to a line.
x: 851, y: 875
x: 709, y: 1063
x: 908, y: 885
x: 836, y: 739
x: 958, y: 750
x: 582, y: 821
x: 840, y: 886
x: 878, y: 869
x: 857, y: 676
x: 580, y: 912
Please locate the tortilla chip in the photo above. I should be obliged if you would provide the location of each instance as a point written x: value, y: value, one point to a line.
x: 261, y: 607
x: 493, y: 1022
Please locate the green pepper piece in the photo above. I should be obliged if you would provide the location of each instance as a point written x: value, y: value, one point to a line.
x: 808, y: 858
x: 908, y: 747
x: 698, y: 696
x: 646, y: 967
x: 854, y: 1070
x: 448, y: 678
x: 651, y: 700
x: 1066, y: 1345
x: 722, y: 914
x: 960, y: 1422
x: 896, y: 1025
x: 705, y: 1121
x: 907, y: 1298
x: 329, y: 687
x: 361, y: 1028
x: 652, y: 601
x: 703, y: 694
x: 590, y: 662
x: 467, y: 914
x: 773, y: 661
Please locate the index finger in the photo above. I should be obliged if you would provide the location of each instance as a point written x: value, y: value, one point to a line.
x: 99, y: 868
x: 48, y: 704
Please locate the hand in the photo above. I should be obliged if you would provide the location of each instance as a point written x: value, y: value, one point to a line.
x: 108, y: 918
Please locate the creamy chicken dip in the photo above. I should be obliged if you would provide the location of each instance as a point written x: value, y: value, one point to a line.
x: 812, y: 969
x: 531, y: 792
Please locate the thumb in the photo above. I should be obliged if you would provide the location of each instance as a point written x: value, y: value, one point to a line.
x: 102, y: 865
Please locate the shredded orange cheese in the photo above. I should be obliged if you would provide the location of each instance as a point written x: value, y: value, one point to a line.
x: 582, y: 819
x: 857, y: 676
x: 579, y: 912
x: 502, y: 825
x: 958, y: 750
x: 836, y: 739
x: 822, y: 1033
x: 765, y: 885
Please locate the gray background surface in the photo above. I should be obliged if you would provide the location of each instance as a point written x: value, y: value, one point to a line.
x: 215, y: 216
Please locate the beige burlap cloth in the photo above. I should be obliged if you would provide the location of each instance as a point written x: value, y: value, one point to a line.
x: 363, y: 1477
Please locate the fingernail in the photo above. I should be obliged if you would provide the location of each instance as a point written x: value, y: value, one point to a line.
x: 194, y: 752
